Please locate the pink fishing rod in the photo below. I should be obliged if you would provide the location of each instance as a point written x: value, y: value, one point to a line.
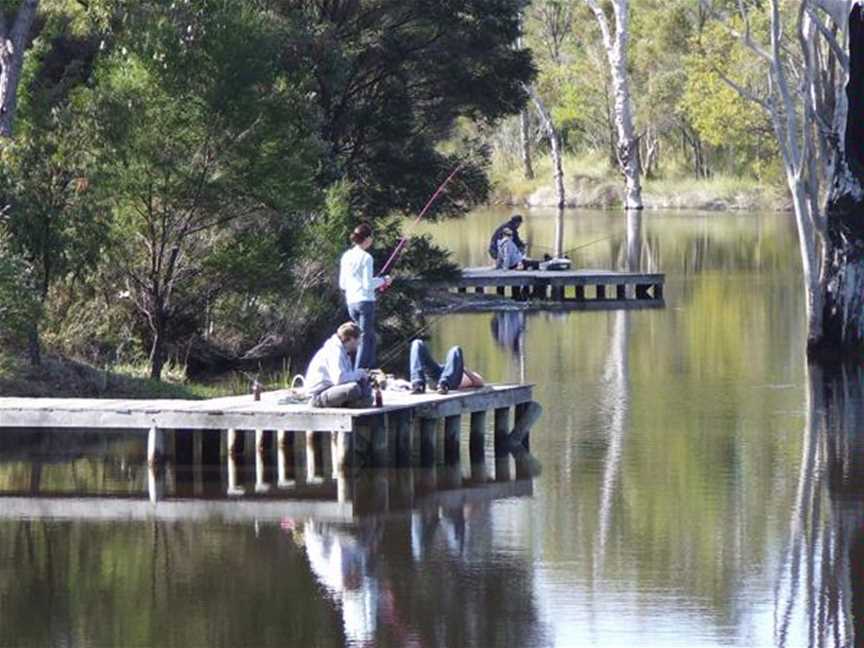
x: 404, y: 240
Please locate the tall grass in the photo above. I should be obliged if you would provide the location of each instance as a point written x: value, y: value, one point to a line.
x: 590, y: 176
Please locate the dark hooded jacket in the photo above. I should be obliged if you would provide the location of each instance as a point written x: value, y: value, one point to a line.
x: 493, y: 242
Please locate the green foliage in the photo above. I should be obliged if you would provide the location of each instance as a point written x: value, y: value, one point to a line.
x: 391, y: 79
x: 18, y: 301
x: 718, y: 112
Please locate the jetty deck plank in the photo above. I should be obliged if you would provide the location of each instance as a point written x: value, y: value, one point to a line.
x: 473, y: 277
x: 242, y: 412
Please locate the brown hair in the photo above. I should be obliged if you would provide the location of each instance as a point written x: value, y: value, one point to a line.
x: 348, y: 331
x: 362, y: 232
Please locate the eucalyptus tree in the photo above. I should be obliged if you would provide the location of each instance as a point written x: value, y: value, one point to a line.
x: 14, y: 35
x: 615, y: 42
x: 812, y: 88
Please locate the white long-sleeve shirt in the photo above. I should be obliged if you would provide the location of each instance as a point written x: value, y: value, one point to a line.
x: 330, y: 366
x: 356, y: 276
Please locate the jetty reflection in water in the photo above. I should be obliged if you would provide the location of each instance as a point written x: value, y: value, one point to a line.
x: 345, y: 528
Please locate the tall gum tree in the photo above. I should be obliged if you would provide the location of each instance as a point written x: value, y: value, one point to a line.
x: 813, y: 54
x: 13, y: 42
x: 615, y: 43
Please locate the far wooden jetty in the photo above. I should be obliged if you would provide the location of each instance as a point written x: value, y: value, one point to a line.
x: 575, y: 289
x: 401, y: 433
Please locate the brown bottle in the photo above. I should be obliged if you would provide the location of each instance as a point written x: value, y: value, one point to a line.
x: 379, y: 398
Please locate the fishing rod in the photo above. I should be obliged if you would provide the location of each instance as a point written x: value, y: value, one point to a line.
x: 578, y: 247
x: 430, y: 321
x: 404, y: 240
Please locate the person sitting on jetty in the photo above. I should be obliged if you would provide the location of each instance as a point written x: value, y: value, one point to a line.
x: 331, y: 379
x: 451, y: 375
x: 512, y: 225
x: 509, y: 257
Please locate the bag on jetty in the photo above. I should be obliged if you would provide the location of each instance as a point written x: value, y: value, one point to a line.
x: 296, y: 393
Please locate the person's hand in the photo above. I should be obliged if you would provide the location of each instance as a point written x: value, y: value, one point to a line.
x: 388, y: 281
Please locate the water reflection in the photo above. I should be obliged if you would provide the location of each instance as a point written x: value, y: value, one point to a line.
x: 189, y: 558
x: 699, y: 489
x: 445, y: 603
x: 819, y: 587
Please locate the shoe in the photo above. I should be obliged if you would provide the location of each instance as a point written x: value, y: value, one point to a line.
x: 418, y: 388
x: 443, y: 388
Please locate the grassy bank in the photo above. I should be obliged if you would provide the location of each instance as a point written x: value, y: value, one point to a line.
x: 591, y: 182
x: 64, y: 378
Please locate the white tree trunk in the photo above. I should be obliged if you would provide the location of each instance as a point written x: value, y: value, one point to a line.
x: 554, y: 144
x: 616, y: 51
x: 525, y: 140
x: 12, y: 45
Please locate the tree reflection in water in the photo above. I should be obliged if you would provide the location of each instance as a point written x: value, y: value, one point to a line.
x: 819, y: 591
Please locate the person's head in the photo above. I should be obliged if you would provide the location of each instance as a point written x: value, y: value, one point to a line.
x: 516, y: 221
x: 349, y: 336
x: 362, y: 236
x: 506, y: 233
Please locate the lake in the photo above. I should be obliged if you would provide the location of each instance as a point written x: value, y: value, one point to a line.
x: 700, y: 486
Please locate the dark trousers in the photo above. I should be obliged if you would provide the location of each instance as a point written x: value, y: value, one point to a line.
x: 352, y: 394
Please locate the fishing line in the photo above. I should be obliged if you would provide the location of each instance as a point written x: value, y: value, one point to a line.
x: 404, y: 240
x: 430, y: 321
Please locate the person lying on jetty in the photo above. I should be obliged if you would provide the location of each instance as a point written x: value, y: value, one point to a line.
x: 331, y: 379
x: 510, y: 257
x: 512, y: 225
x: 451, y: 375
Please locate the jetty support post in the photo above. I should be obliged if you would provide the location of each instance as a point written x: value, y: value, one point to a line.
x: 477, y: 437
x: 311, y: 463
x: 502, y: 428
x: 285, y: 458
x: 155, y: 445
x: 399, y: 438
x: 452, y: 427
x: 428, y: 429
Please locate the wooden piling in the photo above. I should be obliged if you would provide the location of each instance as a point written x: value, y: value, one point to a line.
x: 621, y: 291
x: 580, y: 294
x: 399, y: 436
x: 155, y: 445
x: 601, y: 292
x: 378, y: 435
x: 285, y: 466
x: 452, y: 427
x: 502, y: 429
x: 234, y: 438
x: 477, y: 437
x: 311, y: 463
x: 428, y: 428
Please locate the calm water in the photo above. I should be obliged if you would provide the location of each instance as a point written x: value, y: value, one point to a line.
x: 700, y: 487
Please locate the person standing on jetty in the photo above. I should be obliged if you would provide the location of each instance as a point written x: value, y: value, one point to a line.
x: 358, y: 281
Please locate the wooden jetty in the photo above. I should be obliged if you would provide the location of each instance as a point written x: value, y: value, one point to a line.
x: 405, y: 431
x: 577, y: 288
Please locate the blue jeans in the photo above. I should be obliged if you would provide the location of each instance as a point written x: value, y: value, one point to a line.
x: 363, y: 315
x: 424, y: 366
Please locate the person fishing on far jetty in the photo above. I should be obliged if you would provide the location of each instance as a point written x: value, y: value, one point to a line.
x: 357, y: 279
x: 513, y: 226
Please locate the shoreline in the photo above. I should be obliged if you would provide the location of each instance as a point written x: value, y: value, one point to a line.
x: 592, y: 190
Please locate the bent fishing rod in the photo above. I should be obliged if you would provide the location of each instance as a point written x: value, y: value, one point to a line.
x: 400, y: 247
